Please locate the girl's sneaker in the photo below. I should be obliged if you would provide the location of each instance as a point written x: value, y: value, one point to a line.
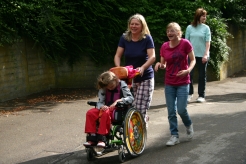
x: 189, y: 98
x: 101, y: 144
x: 89, y: 143
x: 174, y: 140
x: 190, y: 131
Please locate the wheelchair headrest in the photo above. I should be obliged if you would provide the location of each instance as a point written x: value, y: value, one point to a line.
x: 120, y: 72
x: 126, y: 72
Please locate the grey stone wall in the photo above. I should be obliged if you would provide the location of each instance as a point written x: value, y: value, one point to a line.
x: 237, y: 57
x: 24, y: 69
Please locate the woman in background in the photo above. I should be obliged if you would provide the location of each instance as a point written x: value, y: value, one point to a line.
x: 199, y: 34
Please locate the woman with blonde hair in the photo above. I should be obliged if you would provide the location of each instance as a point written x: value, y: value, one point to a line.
x: 174, y: 58
x: 137, y: 47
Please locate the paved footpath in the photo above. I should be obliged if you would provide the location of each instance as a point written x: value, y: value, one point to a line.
x: 52, y: 133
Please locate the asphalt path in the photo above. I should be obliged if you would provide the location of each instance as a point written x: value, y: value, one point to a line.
x: 53, y: 133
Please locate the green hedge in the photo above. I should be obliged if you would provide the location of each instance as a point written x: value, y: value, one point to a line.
x: 66, y: 30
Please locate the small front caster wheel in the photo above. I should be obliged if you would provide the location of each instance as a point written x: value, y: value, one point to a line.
x: 90, y: 154
x: 122, y: 157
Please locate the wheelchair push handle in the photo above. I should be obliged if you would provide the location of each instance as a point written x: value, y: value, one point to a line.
x: 92, y: 103
x: 121, y: 104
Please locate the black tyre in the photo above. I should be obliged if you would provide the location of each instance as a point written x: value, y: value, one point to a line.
x: 90, y: 154
x: 122, y: 157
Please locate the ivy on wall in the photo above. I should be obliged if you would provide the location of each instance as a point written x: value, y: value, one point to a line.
x: 68, y: 30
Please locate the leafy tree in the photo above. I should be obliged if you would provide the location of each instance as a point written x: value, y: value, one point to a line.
x: 232, y: 10
x: 68, y: 30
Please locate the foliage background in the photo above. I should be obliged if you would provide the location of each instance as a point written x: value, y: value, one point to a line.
x: 67, y: 30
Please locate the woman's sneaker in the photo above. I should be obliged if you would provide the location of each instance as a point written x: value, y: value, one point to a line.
x: 200, y: 99
x: 189, y: 98
x: 174, y: 140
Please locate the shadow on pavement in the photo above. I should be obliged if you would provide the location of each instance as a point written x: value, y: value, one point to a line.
x: 78, y: 157
x: 235, y: 97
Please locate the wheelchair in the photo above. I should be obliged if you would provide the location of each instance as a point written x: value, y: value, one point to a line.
x: 127, y: 134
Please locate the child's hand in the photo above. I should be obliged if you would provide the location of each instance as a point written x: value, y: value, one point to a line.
x: 104, y: 108
x: 114, y: 104
x: 159, y: 65
x: 111, y: 108
x: 183, y: 73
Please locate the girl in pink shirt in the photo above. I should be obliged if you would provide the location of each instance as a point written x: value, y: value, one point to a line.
x: 174, y: 58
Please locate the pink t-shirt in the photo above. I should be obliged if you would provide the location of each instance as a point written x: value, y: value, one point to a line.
x: 177, y: 59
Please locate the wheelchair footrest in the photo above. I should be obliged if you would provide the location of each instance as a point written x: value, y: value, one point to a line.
x: 92, y: 138
x: 101, y: 138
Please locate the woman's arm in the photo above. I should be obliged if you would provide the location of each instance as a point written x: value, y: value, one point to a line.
x: 149, y: 62
x: 206, y: 53
x: 117, y: 57
x: 187, y: 33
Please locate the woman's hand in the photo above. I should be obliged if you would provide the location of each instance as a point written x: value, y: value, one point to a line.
x: 157, y: 66
x: 204, y: 59
x: 140, y: 70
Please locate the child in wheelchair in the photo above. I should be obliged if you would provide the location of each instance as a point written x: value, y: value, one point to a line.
x: 111, y: 91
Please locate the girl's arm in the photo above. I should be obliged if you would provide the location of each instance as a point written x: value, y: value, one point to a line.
x: 127, y: 95
x: 192, y: 61
x: 191, y: 65
x: 101, y: 98
x: 161, y: 64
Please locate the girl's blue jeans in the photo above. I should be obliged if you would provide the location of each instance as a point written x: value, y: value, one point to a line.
x: 176, y: 100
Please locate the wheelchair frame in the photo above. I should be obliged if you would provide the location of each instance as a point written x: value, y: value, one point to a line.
x: 130, y: 135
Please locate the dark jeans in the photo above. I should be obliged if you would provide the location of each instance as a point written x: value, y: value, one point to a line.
x: 202, y: 79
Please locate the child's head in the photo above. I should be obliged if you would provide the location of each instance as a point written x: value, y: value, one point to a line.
x: 175, y: 28
x: 107, y: 80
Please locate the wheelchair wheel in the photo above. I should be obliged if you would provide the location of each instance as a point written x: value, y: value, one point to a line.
x: 122, y: 157
x: 134, y: 132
